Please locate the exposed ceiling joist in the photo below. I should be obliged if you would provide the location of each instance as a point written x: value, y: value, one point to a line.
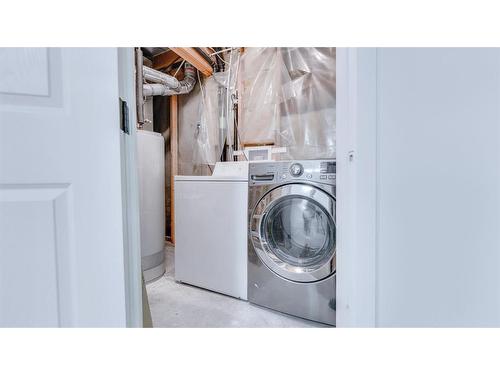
x: 208, y: 51
x: 194, y: 58
x: 165, y: 59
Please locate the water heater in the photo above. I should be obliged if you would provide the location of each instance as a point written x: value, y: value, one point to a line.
x: 151, y: 162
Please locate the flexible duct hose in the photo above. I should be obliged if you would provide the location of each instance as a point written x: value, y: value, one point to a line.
x: 165, y: 84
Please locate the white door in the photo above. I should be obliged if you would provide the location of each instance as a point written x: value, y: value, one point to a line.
x: 419, y: 187
x: 61, y: 228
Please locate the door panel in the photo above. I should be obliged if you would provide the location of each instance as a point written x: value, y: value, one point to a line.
x: 35, y: 239
x: 61, y: 234
x: 31, y: 78
x: 24, y: 71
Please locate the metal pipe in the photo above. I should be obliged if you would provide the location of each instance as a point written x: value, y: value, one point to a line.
x: 156, y: 76
x: 138, y: 87
x: 161, y: 87
x: 154, y: 89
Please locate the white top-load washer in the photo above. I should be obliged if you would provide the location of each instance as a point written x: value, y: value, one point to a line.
x: 211, y: 229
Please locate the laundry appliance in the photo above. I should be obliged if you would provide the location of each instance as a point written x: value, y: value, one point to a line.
x: 292, y: 237
x: 210, y: 229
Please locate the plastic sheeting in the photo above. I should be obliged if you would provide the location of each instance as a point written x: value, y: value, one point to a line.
x: 216, y: 114
x: 288, y: 99
x: 207, y: 148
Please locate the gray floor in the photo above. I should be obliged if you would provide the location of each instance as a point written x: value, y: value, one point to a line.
x: 179, y: 305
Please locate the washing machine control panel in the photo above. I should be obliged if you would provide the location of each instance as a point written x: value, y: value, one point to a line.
x: 275, y: 172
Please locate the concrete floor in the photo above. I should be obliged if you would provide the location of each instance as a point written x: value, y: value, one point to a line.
x: 180, y: 305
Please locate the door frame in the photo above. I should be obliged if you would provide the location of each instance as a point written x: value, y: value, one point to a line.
x: 130, y: 192
x: 356, y: 186
x: 356, y: 204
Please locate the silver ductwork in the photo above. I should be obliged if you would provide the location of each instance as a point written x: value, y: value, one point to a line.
x: 164, y: 84
x: 155, y: 76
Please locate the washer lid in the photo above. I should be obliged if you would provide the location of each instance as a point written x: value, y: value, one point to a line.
x: 211, y: 178
x: 231, y: 169
x: 224, y: 171
x: 293, y: 231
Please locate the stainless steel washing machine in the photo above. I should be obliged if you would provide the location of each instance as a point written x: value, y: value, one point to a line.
x: 292, y: 237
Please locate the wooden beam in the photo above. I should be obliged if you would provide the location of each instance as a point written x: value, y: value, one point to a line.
x: 165, y: 59
x: 208, y: 51
x: 173, y: 161
x: 194, y: 58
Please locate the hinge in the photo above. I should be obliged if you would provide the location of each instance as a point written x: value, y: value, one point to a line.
x: 124, y: 116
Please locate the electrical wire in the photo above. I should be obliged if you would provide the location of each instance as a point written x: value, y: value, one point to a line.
x: 179, y: 68
x: 201, y: 86
x: 238, y: 137
x: 236, y: 124
x: 228, y: 100
x: 223, y: 50
x: 221, y: 59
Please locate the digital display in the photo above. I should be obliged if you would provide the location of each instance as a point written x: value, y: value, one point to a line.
x: 328, y: 167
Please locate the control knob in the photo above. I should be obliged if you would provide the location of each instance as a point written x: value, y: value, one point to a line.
x: 296, y: 169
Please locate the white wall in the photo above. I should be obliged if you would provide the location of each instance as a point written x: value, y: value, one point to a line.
x: 437, y: 203
x: 438, y: 188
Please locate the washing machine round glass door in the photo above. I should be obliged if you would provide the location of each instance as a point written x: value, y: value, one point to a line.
x: 293, y: 232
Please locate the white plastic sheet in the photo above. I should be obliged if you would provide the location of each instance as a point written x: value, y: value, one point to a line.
x: 288, y: 99
x: 215, y: 127
x: 206, y: 148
